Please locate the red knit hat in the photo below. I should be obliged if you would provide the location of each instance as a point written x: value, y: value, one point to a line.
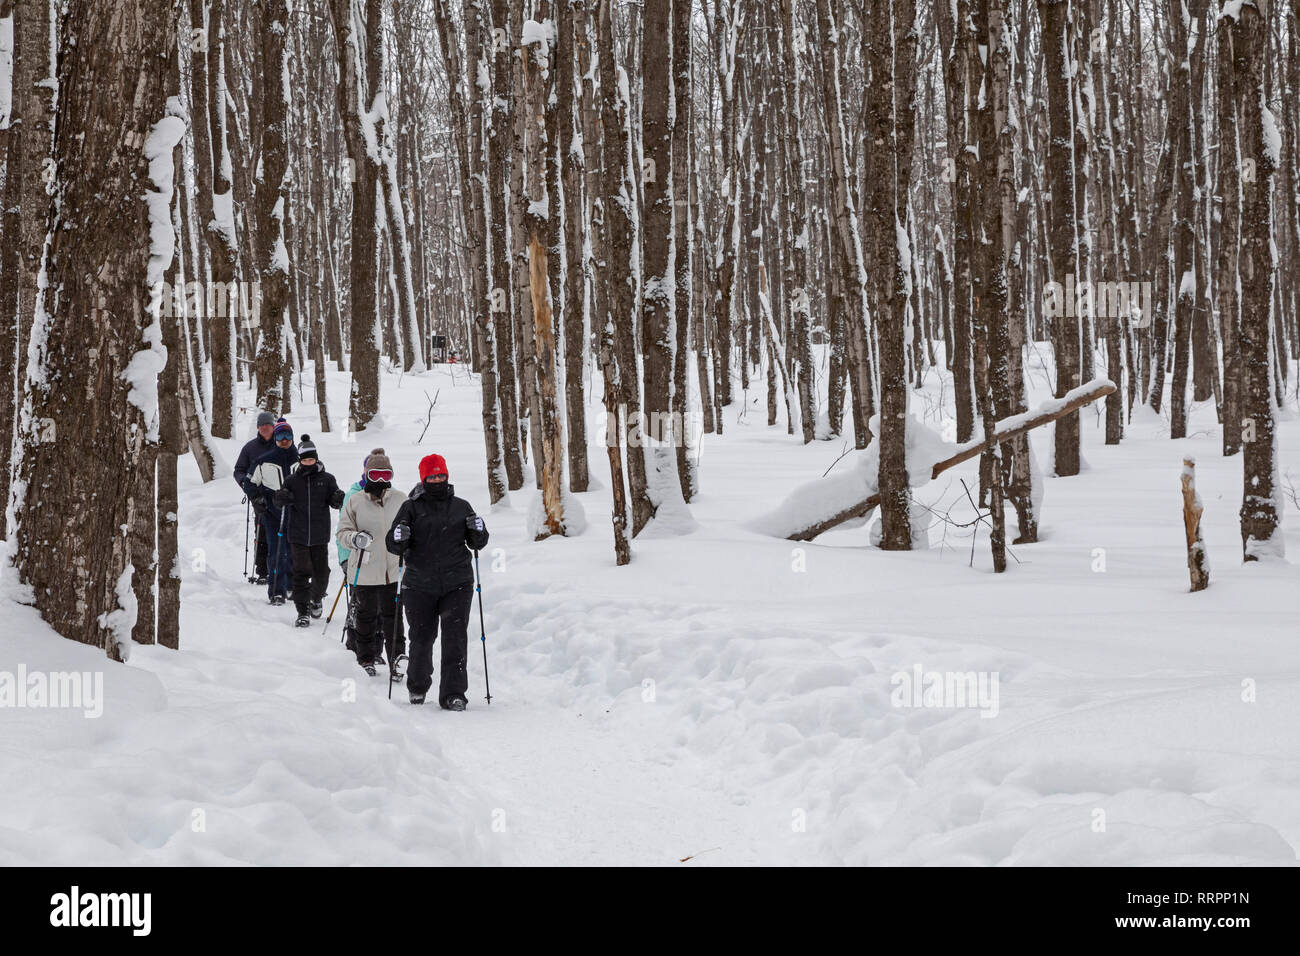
x: 433, y: 465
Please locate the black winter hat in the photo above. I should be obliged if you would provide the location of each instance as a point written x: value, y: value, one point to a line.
x: 306, y: 448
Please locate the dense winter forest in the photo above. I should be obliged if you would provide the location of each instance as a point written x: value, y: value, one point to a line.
x: 676, y: 210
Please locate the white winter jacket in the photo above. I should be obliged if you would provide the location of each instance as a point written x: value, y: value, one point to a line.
x: 363, y: 513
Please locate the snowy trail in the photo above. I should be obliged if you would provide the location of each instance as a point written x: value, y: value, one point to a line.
x: 553, y: 780
x: 570, y: 791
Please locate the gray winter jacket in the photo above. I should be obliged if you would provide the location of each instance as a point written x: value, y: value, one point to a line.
x: 363, y: 513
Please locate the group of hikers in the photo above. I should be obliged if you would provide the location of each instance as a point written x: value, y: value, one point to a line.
x: 388, y: 544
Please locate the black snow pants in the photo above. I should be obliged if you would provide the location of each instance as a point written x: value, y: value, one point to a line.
x: 425, y: 612
x: 311, y: 575
x: 259, y: 552
x: 376, y: 624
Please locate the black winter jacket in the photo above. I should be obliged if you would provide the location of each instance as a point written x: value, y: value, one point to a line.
x: 248, y: 457
x: 309, y: 494
x: 438, y: 550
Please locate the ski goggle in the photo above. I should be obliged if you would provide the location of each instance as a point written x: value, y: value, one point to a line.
x: 379, y: 474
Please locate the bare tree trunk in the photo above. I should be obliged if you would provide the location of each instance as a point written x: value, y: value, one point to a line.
x: 953, y: 25
x: 657, y: 338
x: 111, y: 120
x: 1229, y: 187
x: 849, y: 244
x: 730, y: 75
x: 543, y: 234
x: 1110, y: 239
x: 800, y: 302
x: 272, y: 207
x: 500, y: 134
x: 683, y: 243
x: 1184, y: 225
x: 357, y: 39
x: 576, y: 337
x: 1057, y: 43
x: 222, y: 305
x: 620, y: 217
x: 612, y: 270
x: 990, y: 313
x: 11, y: 266
x: 30, y: 166
x: 524, y: 337
x: 471, y: 198
x: 888, y: 53
x: 1260, y: 511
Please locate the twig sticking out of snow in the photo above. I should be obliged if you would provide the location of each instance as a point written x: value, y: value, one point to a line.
x: 429, y: 417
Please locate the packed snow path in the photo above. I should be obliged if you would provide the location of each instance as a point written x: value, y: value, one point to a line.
x: 729, y: 697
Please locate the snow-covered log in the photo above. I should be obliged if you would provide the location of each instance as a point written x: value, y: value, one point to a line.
x: 845, y: 497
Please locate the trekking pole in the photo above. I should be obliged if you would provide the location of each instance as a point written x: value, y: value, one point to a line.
x: 397, y: 620
x: 246, y: 510
x: 478, y: 586
x: 333, y: 607
x: 361, y: 556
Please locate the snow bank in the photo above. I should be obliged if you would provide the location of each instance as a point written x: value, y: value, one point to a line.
x: 256, y: 744
x: 575, y: 516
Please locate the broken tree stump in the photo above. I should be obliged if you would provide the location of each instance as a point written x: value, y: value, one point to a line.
x: 1006, y: 430
x: 1198, y: 565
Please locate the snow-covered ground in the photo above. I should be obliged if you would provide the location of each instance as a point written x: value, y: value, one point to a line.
x: 729, y: 697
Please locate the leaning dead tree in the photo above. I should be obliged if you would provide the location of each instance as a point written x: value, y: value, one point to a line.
x: 1007, y: 430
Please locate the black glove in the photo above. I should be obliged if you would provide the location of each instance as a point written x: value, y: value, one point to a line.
x: 474, y: 524
x: 282, y: 497
x: 259, y: 505
x: 336, y: 499
x: 250, y: 489
x: 402, y: 536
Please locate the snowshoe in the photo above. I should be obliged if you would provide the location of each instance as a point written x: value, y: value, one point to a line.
x: 277, y: 600
x: 303, y: 621
x: 317, y: 609
x: 397, y: 672
x: 456, y: 703
x: 260, y: 579
x: 369, y: 669
x: 417, y: 698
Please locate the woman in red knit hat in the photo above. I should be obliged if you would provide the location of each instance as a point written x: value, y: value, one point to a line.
x: 434, y: 532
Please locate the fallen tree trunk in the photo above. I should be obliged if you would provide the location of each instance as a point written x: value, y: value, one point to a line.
x: 1006, y: 430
